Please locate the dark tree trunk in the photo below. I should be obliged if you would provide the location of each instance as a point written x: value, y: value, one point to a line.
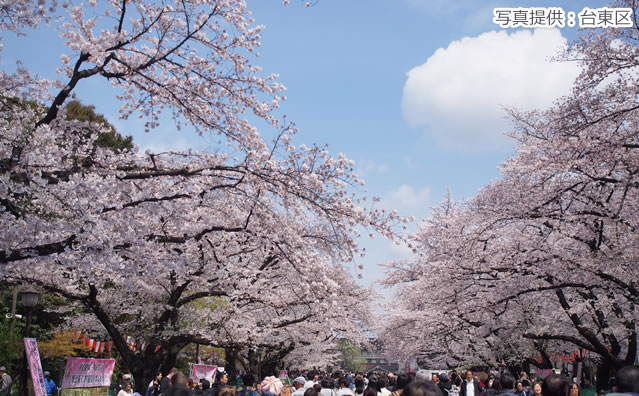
x: 251, y: 363
x: 148, y: 363
x: 605, y: 369
x: 231, y: 364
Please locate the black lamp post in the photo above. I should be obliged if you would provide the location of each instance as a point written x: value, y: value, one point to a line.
x: 29, y: 300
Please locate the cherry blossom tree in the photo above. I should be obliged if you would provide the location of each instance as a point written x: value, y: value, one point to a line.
x: 243, y: 248
x: 543, y: 259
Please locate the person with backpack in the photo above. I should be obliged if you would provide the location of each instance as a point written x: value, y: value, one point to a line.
x: 446, y: 386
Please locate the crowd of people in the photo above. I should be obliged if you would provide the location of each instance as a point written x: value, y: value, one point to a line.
x: 421, y: 383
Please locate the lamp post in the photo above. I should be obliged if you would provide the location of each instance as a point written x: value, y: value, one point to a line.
x: 29, y: 300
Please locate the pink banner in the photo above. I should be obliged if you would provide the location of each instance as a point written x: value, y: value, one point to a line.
x: 199, y: 371
x: 543, y: 373
x: 33, y: 356
x: 87, y: 373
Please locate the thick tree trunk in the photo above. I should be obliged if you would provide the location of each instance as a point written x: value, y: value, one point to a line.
x: 605, y: 370
x: 251, y: 363
x: 231, y: 364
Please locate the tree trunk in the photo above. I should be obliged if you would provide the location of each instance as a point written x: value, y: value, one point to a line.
x: 604, y: 371
x: 231, y: 366
x: 251, y: 363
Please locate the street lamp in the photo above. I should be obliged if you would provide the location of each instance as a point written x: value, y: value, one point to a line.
x: 29, y: 300
x: 30, y: 297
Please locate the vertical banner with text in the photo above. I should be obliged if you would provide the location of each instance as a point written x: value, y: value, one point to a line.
x: 33, y: 357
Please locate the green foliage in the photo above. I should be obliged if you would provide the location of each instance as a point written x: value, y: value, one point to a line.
x: 11, y: 346
x: 110, y: 139
x: 208, y: 355
x: 46, y: 316
x: 61, y: 345
x: 351, y: 356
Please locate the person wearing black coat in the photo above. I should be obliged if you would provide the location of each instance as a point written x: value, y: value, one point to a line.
x: 221, y: 379
x: 474, y: 385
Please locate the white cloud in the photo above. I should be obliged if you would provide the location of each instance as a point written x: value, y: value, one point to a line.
x: 459, y: 93
x: 179, y: 144
x: 408, y: 200
x: 366, y: 167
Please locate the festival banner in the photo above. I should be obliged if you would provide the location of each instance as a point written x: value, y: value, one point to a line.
x: 283, y: 374
x: 99, y: 391
x: 87, y: 373
x: 543, y: 373
x: 199, y: 371
x: 33, y: 357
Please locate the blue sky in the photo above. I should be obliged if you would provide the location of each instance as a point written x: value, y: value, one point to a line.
x: 410, y: 89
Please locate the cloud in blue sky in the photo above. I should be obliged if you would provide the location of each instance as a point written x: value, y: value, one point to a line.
x: 408, y: 200
x: 460, y: 92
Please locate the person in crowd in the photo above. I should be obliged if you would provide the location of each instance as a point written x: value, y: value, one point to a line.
x: 476, y: 379
x: 505, y: 385
x: 573, y: 389
x: 154, y: 388
x: 221, y: 379
x: 491, y: 387
x: 359, y: 386
x: 536, y: 389
x: 287, y: 390
x: 483, y: 380
x: 51, y: 387
x: 434, y: 377
x: 327, y: 389
x: 402, y: 381
x: 205, y: 386
x: 228, y: 390
x: 156, y: 379
x: 519, y: 389
x: 127, y: 390
x: 248, y: 380
x: 178, y: 385
x: 421, y: 388
x: 523, y: 377
x: 344, y: 387
x: 179, y: 379
x: 310, y: 392
x: 554, y: 385
x: 126, y: 379
x: 383, y: 387
x: 373, y: 383
x: 489, y: 383
x: 627, y: 379
x: 167, y: 382
x: 370, y: 391
x: 298, y: 384
x: 5, y: 382
x: 444, y: 384
x: 423, y: 376
x: 392, y: 382
x: 470, y: 387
